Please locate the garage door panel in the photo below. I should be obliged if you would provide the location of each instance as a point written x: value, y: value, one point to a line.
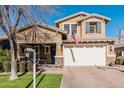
x: 84, y: 56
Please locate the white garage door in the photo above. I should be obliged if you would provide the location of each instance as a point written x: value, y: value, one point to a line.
x: 85, y: 56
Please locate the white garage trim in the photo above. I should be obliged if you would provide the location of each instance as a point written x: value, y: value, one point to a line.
x: 85, y: 56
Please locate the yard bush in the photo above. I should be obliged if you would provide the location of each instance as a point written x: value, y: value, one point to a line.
x: 1, y: 67
x: 120, y: 60
x: 22, y: 66
x: 30, y: 67
x: 5, y: 60
x: 6, y: 66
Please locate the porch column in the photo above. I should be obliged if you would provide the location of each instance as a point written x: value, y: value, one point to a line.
x: 59, y: 56
x: 18, y: 53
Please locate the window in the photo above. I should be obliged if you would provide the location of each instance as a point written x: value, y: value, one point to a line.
x: 74, y: 28
x: 111, y: 49
x: 93, y: 27
x: 67, y: 27
x: 71, y: 28
x: 37, y: 50
x: 47, y: 49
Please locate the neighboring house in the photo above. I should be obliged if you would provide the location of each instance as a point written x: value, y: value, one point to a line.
x: 119, y: 43
x: 55, y: 45
x: 119, y: 49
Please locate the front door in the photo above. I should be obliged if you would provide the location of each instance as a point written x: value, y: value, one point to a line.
x: 53, y: 51
x: 37, y: 49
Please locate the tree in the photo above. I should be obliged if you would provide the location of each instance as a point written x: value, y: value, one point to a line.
x: 11, y: 17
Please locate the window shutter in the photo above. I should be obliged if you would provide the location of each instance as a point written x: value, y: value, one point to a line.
x: 87, y: 27
x: 98, y: 27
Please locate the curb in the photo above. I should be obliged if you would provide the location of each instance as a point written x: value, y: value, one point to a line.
x: 61, y: 81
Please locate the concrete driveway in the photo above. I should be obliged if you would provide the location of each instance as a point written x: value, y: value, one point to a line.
x: 93, y: 77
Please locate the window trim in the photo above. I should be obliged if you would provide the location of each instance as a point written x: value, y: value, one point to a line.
x: 95, y: 28
x: 69, y: 27
x: 70, y: 31
x: 96, y: 32
x: 48, y: 49
x: 76, y: 28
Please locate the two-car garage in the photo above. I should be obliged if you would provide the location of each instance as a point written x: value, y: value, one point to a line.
x: 85, y: 56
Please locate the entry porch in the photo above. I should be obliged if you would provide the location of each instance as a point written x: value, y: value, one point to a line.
x: 48, y: 54
x: 46, y: 40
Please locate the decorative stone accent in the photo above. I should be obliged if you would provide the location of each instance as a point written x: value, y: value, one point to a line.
x: 59, y: 61
x: 111, y: 60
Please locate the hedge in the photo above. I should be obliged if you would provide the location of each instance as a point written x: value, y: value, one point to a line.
x: 22, y: 66
x: 7, y: 66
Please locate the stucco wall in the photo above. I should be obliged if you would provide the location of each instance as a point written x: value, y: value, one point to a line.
x: 93, y: 35
x: 41, y: 35
x: 81, y: 27
x: 72, y: 21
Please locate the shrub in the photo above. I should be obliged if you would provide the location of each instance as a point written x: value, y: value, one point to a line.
x: 22, y: 67
x: 30, y: 67
x: 6, y: 66
x: 4, y: 55
x: 120, y: 60
x: 1, y: 67
x: 5, y: 60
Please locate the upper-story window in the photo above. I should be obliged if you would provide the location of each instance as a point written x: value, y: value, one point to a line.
x: 71, y: 28
x: 67, y: 27
x: 74, y: 28
x: 93, y: 27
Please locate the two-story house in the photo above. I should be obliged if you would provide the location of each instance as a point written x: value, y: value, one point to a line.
x: 93, y: 48
x: 56, y: 45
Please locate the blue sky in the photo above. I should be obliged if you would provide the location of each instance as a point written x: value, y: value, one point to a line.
x: 116, y: 13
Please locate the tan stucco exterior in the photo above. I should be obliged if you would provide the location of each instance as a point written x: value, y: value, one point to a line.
x: 93, y: 35
x: 38, y: 35
x: 41, y: 37
x: 81, y: 26
x: 81, y: 34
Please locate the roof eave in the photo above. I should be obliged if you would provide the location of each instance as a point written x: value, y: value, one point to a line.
x: 45, y: 26
x: 104, y: 17
x: 70, y: 16
x: 97, y: 15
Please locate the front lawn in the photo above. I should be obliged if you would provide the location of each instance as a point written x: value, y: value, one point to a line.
x: 42, y: 81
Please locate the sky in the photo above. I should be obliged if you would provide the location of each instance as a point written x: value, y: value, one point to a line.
x: 115, y: 12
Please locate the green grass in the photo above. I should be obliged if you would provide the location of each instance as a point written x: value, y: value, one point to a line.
x: 42, y: 81
x: 50, y: 81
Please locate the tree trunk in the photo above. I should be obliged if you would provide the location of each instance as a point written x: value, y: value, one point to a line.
x: 13, y: 75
